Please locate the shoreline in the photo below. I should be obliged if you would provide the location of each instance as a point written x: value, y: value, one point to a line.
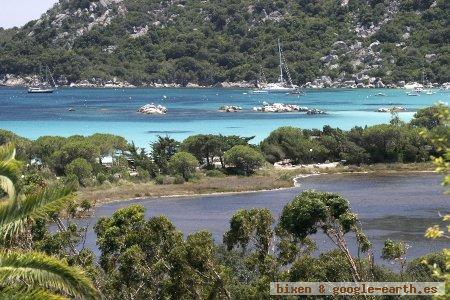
x: 23, y: 83
x: 217, y: 87
x: 294, y: 180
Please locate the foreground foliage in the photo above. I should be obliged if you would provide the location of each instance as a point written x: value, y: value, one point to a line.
x: 33, y: 275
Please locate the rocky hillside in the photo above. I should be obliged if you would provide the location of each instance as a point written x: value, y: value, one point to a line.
x: 144, y: 42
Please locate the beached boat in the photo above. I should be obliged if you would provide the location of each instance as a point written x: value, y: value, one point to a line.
x: 46, y: 84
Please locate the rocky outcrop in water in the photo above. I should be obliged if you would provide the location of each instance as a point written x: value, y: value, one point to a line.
x: 152, y: 109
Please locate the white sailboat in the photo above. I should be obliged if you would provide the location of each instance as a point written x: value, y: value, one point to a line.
x: 282, y: 86
x: 46, y: 84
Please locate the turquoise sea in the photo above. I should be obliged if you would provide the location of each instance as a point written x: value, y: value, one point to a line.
x: 192, y: 111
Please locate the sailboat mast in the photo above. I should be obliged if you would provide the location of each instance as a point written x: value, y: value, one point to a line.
x: 281, y: 61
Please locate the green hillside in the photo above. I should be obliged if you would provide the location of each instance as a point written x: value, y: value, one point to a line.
x: 206, y: 42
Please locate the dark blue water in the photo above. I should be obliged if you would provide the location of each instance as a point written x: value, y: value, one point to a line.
x: 398, y: 207
x: 191, y: 111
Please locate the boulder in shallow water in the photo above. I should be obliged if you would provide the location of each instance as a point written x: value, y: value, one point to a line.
x: 152, y: 109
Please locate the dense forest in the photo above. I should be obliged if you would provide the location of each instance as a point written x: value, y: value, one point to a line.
x: 208, y: 42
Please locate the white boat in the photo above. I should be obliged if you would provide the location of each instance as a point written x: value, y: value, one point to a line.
x: 259, y: 92
x: 46, y: 85
x: 40, y: 89
x: 413, y: 86
x: 413, y: 93
x: 279, y: 88
x: 282, y: 86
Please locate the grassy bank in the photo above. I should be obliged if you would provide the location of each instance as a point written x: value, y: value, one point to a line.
x: 265, y: 179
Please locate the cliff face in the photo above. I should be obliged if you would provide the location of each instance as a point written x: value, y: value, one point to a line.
x: 326, y: 42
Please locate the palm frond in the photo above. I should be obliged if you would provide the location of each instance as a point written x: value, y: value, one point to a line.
x: 16, y: 293
x: 7, y: 186
x: 9, y: 169
x: 41, y: 271
x: 14, y: 214
x: 7, y: 152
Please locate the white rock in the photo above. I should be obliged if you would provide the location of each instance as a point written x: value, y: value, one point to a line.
x: 430, y: 56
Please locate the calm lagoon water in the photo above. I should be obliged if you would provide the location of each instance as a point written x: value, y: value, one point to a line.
x: 191, y: 111
x: 399, y: 207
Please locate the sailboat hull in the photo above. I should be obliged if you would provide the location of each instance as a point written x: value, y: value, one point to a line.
x: 279, y: 88
x: 45, y: 86
x: 40, y: 91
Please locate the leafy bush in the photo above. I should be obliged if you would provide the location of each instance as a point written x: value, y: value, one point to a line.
x: 245, y: 159
x: 143, y: 174
x: 178, y: 179
x: 159, y: 179
x: 290, y: 143
x: 184, y: 164
x: 101, y: 178
x: 81, y: 168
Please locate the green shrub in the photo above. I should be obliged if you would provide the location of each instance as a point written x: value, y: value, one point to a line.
x: 143, y: 175
x: 159, y: 179
x: 101, y: 178
x: 86, y: 204
x: 184, y: 164
x: 71, y: 180
x: 81, y: 168
x: 244, y: 159
x: 178, y: 179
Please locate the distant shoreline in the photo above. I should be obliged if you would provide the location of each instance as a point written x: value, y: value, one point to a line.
x: 12, y: 81
x: 292, y: 182
x: 208, y: 87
